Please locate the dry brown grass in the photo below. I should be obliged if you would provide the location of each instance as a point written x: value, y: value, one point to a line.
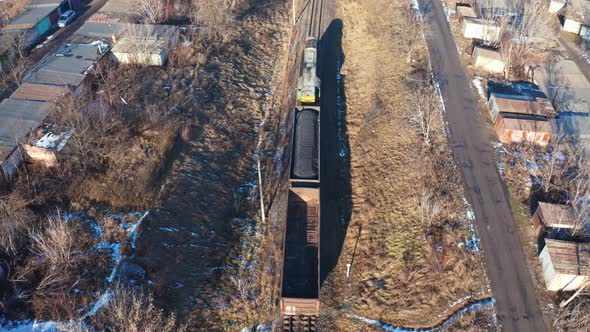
x: 16, y: 219
x: 576, y: 316
x: 408, y: 227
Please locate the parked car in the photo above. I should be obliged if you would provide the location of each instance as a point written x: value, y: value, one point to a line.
x: 65, y: 18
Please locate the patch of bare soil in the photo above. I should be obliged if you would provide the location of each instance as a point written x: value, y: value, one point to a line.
x: 407, y: 240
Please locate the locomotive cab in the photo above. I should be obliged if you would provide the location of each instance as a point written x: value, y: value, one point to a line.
x: 308, y: 86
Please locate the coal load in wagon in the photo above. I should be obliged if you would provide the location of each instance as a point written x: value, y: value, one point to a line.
x: 305, y: 146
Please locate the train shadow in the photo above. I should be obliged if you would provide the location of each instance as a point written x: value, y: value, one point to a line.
x: 336, y: 198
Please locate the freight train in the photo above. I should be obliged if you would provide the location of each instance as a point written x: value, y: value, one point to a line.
x: 300, y: 286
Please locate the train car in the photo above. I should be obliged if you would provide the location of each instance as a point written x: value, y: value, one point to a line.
x: 308, y: 86
x: 305, y: 161
x: 300, y: 285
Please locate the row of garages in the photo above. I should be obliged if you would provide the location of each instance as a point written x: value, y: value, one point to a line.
x: 554, y: 103
x: 23, y: 131
x: 38, y: 20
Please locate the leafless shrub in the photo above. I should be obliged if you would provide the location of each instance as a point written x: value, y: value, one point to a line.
x: 57, y: 244
x: 152, y: 11
x: 99, y: 131
x: 60, y: 252
x: 429, y: 209
x: 131, y: 310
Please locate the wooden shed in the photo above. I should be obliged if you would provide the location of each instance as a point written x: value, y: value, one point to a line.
x: 503, y: 104
x: 550, y: 218
x: 566, y: 265
x: 476, y: 28
x: 488, y: 59
x: 518, y: 128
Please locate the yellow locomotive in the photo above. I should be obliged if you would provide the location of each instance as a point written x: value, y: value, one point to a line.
x: 308, y: 86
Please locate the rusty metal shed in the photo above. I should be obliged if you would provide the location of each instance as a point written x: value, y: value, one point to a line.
x: 518, y: 128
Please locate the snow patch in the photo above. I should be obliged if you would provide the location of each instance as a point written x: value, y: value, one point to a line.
x: 54, y: 141
x: 470, y: 308
x: 477, y: 83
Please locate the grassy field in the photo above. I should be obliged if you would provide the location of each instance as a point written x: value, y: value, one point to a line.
x: 409, y: 225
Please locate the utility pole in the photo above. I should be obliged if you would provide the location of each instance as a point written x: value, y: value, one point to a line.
x: 261, y: 192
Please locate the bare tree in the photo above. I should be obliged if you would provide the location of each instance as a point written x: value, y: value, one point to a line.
x: 410, y: 30
x: 529, y: 38
x: 425, y: 108
x: 15, y: 65
x: 152, y: 11
x: 578, y: 190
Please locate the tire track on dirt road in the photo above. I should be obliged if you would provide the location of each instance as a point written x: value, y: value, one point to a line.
x: 469, y: 138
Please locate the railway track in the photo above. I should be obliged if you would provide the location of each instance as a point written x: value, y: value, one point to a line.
x: 315, y: 23
x: 300, y: 284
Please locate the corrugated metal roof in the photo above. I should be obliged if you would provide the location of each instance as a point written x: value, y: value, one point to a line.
x: 39, y: 92
x: 519, y: 106
x: 526, y: 123
x: 68, y: 66
x: 571, y: 258
x: 18, y: 118
x: 558, y: 215
x: 101, y: 30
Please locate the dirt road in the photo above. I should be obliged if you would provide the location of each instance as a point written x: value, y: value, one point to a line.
x: 470, y: 139
x: 575, y: 53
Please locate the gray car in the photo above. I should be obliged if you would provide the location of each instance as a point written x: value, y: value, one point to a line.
x: 65, y: 18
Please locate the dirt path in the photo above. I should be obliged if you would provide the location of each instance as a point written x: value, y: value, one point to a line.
x: 470, y: 139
